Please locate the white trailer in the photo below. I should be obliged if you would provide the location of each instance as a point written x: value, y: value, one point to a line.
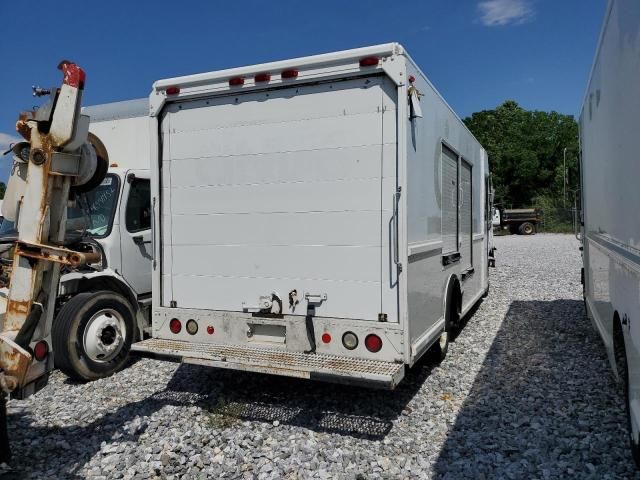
x: 610, y: 198
x: 323, y: 217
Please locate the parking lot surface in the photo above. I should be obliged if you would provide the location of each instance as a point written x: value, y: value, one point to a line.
x: 525, y: 392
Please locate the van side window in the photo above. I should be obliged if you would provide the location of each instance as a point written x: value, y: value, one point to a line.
x: 138, y: 213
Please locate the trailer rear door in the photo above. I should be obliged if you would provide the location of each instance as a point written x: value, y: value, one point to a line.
x: 280, y: 191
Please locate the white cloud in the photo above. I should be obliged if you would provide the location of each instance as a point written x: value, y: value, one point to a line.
x: 495, y: 13
x: 5, y: 140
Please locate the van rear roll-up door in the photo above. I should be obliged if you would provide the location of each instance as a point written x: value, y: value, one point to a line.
x: 284, y: 190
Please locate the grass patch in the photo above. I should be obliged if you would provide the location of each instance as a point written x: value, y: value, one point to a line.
x: 224, y: 415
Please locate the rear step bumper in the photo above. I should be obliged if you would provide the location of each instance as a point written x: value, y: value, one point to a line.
x: 314, y: 366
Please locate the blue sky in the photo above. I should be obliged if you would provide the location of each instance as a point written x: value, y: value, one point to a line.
x: 478, y: 53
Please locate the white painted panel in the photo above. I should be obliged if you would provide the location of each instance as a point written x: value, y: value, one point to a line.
x: 281, y: 193
x: 362, y: 301
x: 293, y: 136
x: 261, y: 261
x: 310, y: 196
x: 319, y: 228
x: 317, y: 165
x: 347, y: 98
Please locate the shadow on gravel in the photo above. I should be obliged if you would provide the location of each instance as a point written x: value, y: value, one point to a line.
x: 544, y: 404
x: 226, y: 397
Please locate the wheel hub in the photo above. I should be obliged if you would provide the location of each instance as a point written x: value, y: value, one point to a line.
x: 104, y: 335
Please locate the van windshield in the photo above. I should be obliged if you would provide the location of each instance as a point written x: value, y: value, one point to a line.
x: 95, y: 215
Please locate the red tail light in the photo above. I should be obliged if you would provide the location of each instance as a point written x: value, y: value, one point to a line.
x: 40, y: 350
x: 210, y: 330
x: 173, y: 90
x: 373, y: 343
x: 262, y: 77
x: 292, y: 73
x: 236, y: 81
x: 326, y: 338
x: 369, y: 61
x: 175, y: 326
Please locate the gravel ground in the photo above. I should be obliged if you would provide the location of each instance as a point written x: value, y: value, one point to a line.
x: 525, y: 392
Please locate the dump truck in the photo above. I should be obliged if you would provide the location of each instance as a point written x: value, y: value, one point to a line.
x: 523, y: 221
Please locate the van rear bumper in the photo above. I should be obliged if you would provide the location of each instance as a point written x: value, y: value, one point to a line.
x: 313, y: 366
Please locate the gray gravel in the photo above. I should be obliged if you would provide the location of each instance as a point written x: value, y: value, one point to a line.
x: 526, y: 392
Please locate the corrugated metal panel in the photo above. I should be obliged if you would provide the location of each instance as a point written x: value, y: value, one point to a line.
x: 273, y: 192
x: 449, y: 201
x: 466, y: 250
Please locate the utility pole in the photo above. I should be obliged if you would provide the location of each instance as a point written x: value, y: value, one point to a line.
x: 564, y: 178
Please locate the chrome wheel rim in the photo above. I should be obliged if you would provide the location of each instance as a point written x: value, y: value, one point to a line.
x: 104, y: 336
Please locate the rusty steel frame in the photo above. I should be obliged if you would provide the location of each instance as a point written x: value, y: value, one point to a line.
x: 41, y: 226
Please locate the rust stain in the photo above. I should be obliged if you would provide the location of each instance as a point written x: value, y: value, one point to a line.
x: 14, y: 362
x: 20, y: 307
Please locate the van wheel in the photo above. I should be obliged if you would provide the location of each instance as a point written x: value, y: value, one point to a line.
x: 526, y: 228
x: 451, y: 324
x: 92, y: 335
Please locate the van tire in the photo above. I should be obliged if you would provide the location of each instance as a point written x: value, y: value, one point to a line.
x: 103, y: 314
x: 441, y: 347
x: 451, y: 323
x: 527, y: 228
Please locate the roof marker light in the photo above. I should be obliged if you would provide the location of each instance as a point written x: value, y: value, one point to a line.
x: 262, y: 77
x: 236, y: 81
x: 369, y: 61
x: 291, y: 73
x: 173, y: 90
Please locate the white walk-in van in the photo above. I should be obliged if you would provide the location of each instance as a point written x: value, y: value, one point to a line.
x: 323, y: 217
x: 611, y: 197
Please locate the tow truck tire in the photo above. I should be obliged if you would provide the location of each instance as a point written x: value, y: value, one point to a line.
x: 527, y: 228
x: 92, y: 335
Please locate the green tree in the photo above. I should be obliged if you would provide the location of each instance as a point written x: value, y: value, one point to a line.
x: 526, y: 151
x: 3, y: 188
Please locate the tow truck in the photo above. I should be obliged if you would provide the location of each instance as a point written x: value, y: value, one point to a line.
x: 58, y: 160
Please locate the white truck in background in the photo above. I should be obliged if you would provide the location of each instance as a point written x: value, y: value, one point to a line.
x: 102, y: 308
x: 311, y: 222
x: 610, y: 196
